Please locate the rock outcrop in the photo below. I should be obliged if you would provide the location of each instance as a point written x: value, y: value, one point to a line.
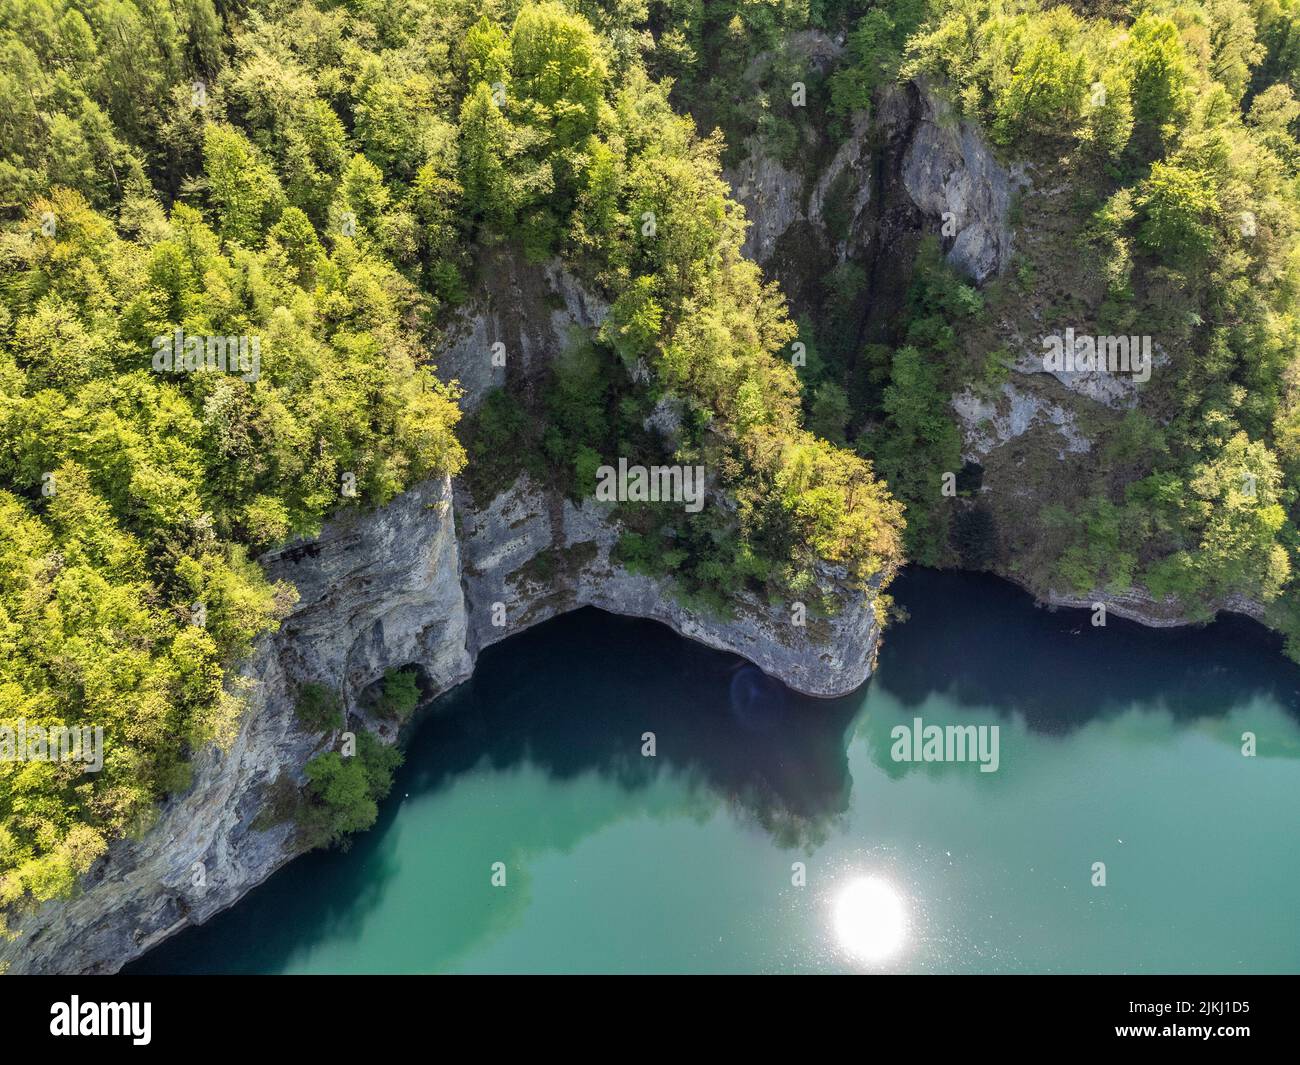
x: 1137, y: 604
x: 989, y: 422
x: 430, y: 580
x: 912, y: 144
x: 530, y: 556
x: 375, y: 591
x: 528, y: 310
x: 951, y: 174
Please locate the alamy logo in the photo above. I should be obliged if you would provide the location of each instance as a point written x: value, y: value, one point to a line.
x: 58, y: 743
x: 951, y: 743
x: 103, y: 1018
x: 1105, y: 353
x: 654, y: 484
x: 178, y: 353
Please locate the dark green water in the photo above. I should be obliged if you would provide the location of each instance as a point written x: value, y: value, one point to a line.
x: 1118, y: 745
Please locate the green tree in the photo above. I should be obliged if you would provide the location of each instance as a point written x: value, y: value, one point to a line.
x: 485, y: 140
x: 1161, y: 73
x: 1177, y: 203
x: 243, y: 190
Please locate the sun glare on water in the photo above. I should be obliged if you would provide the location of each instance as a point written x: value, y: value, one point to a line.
x: 870, y: 920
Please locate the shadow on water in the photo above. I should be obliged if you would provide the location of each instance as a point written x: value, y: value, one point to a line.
x: 569, y: 697
x: 579, y: 693
x: 575, y: 696
x: 980, y: 641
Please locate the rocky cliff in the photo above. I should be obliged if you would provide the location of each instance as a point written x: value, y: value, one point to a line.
x: 532, y: 556
x: 375, y: 591
x: 427, y: 581
x: 520, y: 316
x: 911, y: 167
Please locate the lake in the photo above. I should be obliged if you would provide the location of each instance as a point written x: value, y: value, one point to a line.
x: 772, y: 832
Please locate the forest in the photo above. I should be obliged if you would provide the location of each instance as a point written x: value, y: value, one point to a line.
x: 312, y: 181
x: 322, y: 177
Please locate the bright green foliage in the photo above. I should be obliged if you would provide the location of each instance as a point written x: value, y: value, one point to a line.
x: 1229, y: 515
x: 1178, y: 206
x: 875, y: 50
x: 485, y: 54
x: 155, y: 480
x: 343, y: 793
x: 318, y: 176
x: 486, y: 142
x: 242, y: 188
x: 1161, y: 72
x: 1101, y: 543
x: 1048, y: 84
x: 399, y: 694
x: 1034, y: 70
x: 558, y: 72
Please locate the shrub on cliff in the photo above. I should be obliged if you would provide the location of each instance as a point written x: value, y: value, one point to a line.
x: 318, y: 708
x: 342, y: 794
x: 399, y: 694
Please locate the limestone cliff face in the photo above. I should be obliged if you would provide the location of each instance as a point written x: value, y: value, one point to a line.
x: 529, y: 310
x: 912, y: 165
x: 773, y: 192
x: 376, y: 590
x: 1137, y: 604
x: 533, y: 556
x: 949, y: 171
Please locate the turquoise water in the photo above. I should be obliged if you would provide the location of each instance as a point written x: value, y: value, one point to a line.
x: 1117, y: 745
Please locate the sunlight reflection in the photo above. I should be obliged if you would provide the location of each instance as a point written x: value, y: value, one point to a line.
x: 870, y: 919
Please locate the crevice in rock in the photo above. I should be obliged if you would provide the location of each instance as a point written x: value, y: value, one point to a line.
x: 896, y: 226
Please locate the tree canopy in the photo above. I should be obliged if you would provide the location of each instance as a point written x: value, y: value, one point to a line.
x: 230, y: 236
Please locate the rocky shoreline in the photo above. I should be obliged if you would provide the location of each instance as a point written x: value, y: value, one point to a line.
x: 421, y: 582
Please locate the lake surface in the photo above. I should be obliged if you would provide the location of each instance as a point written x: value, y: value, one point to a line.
x: 1119, y: 745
